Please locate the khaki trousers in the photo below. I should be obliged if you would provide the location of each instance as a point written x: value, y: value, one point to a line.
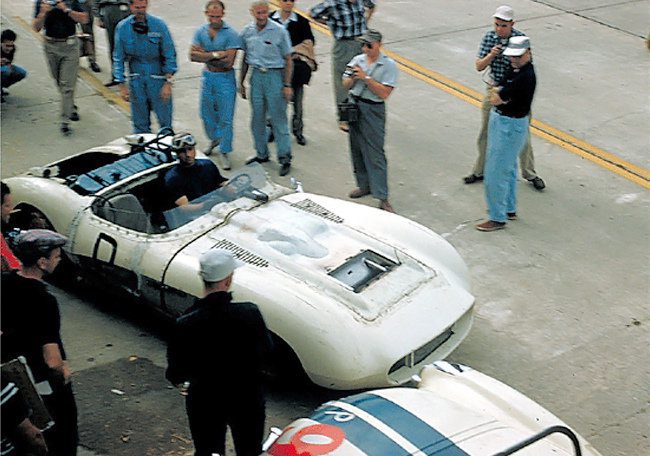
x: 63, y: 61
x: 342, y: 53
x: 526, y: 158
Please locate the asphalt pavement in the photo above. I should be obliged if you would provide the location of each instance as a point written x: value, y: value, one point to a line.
x: 562, y: 294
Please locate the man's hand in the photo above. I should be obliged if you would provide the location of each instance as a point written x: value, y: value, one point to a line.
x: 496, y: 50
x: 495, y: 98
x: 242, y: 90
x: 4, y: 62
x: 32, y: 438
x: 62, y: 6
x: 124, y: 92
x: 358, y: 73
x: 288, y: 94
x: 166, y: 91
x: 45, y: 8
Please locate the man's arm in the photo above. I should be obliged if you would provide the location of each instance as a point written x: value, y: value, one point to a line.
x: 242, y: 76
x: 39, y: 18
x: 483, y: 63
x: 287, y: 90
x: 226, y: 58
x: 371, y: 7
x: 319, y: 12
x: 59, y: 367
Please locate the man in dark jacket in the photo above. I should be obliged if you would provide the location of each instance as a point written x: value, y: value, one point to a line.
x: 31, y: 324
x: 304, y: 59
x: 218, y: 347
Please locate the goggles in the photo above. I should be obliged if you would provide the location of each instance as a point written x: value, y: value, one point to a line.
x: 183, y: 141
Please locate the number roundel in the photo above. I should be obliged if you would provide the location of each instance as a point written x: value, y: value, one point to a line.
x: 313, y: 440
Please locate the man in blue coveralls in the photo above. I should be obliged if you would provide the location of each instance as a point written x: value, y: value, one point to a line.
x: 216, y: 45
x: 267, y: 49
x: 145, y: 43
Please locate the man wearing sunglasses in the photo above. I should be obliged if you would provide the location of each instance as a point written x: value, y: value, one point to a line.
x: 190, y: 178
x: 370, y: 78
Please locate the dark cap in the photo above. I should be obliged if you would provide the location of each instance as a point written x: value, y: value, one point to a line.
x: 370, y: 36
x: 31, y: 245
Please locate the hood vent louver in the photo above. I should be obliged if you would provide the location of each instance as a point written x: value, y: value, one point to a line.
x: 242, y: 254
x: 308, y: 205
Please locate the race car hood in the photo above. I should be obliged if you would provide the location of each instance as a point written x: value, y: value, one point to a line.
x: 302, y: 241
x: 406, y: 421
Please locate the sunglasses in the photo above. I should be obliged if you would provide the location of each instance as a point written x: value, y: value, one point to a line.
x: 366, y: 45
x: 288, y: 1
x: 183, y: 142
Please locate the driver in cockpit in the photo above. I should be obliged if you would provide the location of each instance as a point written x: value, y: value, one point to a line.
x: 191, y: 177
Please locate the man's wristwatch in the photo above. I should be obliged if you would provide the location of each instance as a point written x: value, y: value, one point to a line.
x: 288, y: 86
x: 169, y: 80
x: 367, y: 78
x: 215, y: 55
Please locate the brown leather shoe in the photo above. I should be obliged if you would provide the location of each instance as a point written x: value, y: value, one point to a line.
x: 358, y: 193
x: 384, y: 205
x: 491, y: 225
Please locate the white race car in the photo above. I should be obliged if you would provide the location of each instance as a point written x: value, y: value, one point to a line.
x: 455, y: 411
x: 358, y: 296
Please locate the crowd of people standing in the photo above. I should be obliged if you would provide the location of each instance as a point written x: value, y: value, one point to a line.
x: 277, y: 61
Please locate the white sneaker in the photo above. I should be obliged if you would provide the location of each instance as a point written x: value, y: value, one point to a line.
x: 225, y: 161
x: 212, y: 146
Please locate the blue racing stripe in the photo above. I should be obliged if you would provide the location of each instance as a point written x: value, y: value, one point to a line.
x: 409, y: 426
x: 358, y: 432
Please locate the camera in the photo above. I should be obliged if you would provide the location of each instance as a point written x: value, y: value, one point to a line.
x: 348, y: 111
x: 52, y: 2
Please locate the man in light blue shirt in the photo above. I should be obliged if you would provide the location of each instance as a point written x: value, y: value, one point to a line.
x: 145, y: 43
x: 267, y: 50
x: 370, y: 78
x: 216, y: 45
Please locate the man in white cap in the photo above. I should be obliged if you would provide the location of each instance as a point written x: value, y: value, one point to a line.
x: 31, y: 327
x: 507, y: 134
x: 490, y: 55
x: 218, y: 347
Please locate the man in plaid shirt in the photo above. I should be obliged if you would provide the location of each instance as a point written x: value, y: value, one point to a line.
x: 347, y: 20
x: 490, y: 55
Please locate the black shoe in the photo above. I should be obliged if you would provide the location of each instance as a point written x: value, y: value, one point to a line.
x: 285, y: 168
x: 271, y: 137
x: 95, y: 67
x: 111, y: 83
x: 538, y: 183
x: 472, y: 178
x: 257, y: 159
x: 65, y: 129
x: 75, y: 115
x: 300, y: 139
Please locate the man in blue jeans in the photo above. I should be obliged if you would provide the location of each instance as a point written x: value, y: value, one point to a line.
x: 267, y: 50
x: 507, y: 134
x: 11, y: 73
x: 216, y: 45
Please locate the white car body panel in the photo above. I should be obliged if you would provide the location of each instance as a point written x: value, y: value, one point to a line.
x: 454, y: 411
x: 290, y: 244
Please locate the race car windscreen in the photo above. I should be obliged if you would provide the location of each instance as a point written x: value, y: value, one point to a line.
x: 244, y: 183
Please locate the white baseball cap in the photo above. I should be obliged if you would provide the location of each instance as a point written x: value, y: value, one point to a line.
x: 517, y: 45
x: 505, y: 13
x: 217, y: 264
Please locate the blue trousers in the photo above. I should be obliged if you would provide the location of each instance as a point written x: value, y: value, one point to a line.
x: 266, y: 97
x: 12, y: 74
x: 506, y: 139
x: 218, y: 95
x: 145, y: 97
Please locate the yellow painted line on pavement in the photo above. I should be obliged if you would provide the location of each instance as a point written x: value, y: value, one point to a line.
x: 545, y: 131
x: 84, y: 74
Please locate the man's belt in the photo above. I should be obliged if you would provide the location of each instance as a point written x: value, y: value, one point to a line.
x: 367, y: 101
x: 501, y: 113
x: 217, y: 70
x: 59, y: 40
x: 265, y: 70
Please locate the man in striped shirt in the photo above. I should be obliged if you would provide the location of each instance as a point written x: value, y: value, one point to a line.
x: 347, y: 20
